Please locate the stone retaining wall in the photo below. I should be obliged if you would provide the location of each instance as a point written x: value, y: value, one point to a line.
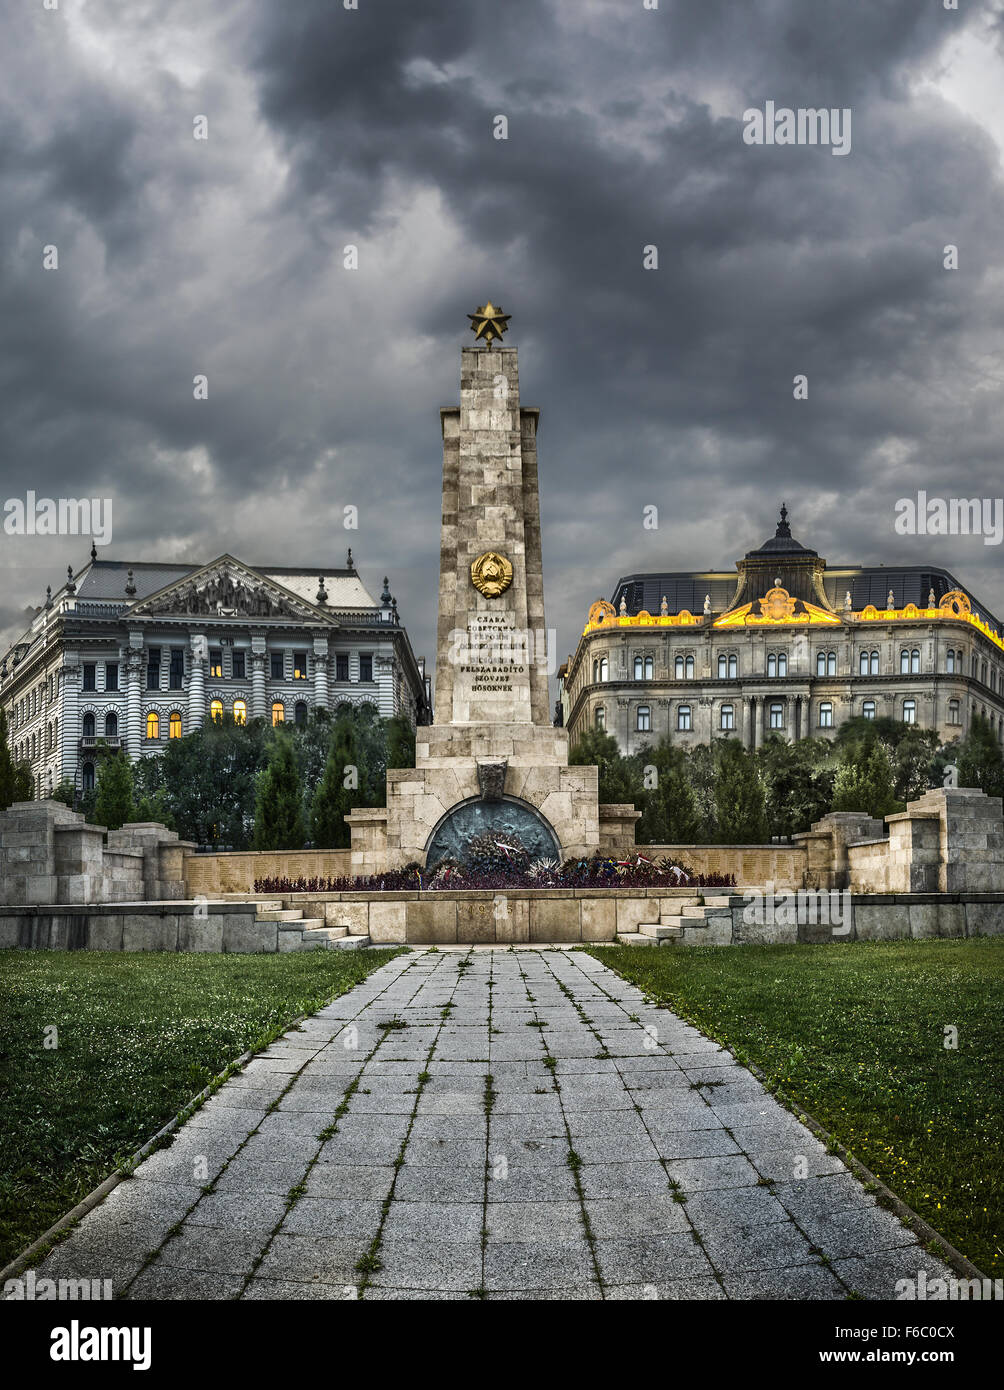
x: 212, y: 874
x: 176, y: 926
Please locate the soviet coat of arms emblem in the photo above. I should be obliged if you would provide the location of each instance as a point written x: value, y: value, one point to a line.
x: 491, y: 574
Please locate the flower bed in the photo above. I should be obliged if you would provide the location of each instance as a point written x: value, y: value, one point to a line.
x: 497, y: 865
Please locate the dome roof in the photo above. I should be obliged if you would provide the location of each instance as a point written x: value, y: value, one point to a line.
x: 781, y: 543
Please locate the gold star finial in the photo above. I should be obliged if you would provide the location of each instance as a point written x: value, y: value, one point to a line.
x: 489, y: 323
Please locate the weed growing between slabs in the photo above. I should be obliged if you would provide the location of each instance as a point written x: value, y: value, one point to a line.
x: 856, y: 1034
x: 137, y: 1036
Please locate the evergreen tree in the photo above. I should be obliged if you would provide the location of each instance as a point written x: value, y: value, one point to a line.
x: 669, y: 808
x: 864, y: 780
x: 113, y: 803
x: 980, y: 763
x: 339, y: 790
x: 278, y: 816
x: 8, y: 772
x: 739, y: 797
x: 619, y: 777
x: 798, y: 782
x: 400, y: 742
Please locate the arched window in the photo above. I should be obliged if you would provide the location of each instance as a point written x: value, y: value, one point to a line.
x: 683, y: 718
x: 111, y: 724
x: 950, y: 663
x: 954, y: 716
x: 863, y: 664
x: 868, y: 709
x: 649, y: 668
x: 983, y: 673
x: 914, y: 662
x: 904, y: 662
x: 733, y: 666
x: 782, y: 663
x: 639, y: 668
x: 174, y: 724
x: 644, y: 723
x: 600, y: 717
x: 679, y: 668
x: 300, y: 714
x: 240, y: 712
x: 604, y: 669
x: 831, y: 663
x: 875, y: 664
x: 87, y: 727
x: 690, y: 668
x: 278, y: 712
x: 153, y: 724
x: 87, y: 775
x: 820, y: 663
x: 909, y: 711
x: 596, y: 668
x: 728, y: 717
x: 723, y: 667
x: 216, y: 711
x: 771, y: 664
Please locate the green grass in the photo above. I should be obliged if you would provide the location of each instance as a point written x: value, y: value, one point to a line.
x: 138, y: 1036
x: 854, y: 1033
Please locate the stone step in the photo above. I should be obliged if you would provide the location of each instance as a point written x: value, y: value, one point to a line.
x: 324, y: 933
x: 659, y: 931
x: 634, y: 938
x: 718, y: 901
x: 280, y: 914
x: 349, y: 943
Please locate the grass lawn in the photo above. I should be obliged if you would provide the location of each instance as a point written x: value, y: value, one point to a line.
x: 138, y: 1036
x: 855, y: 1034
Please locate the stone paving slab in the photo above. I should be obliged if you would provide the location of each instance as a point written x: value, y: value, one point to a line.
x: 423, y: 1138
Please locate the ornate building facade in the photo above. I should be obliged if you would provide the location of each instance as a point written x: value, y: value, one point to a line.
x: 787, y: 646
x: 132, y: 654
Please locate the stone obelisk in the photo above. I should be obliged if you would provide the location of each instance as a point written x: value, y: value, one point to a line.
x: 492, y: 757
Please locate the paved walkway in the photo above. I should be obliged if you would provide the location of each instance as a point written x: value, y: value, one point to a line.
x: 560, y: 1139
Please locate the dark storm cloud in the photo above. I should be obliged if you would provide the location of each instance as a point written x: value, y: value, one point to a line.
x: 374, y: 127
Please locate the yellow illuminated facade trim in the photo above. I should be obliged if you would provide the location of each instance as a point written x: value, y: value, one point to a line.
x: 954, y: 607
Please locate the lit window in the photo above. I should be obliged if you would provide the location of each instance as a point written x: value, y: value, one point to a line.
x: 278, y: 712
x: 216, y: 711
x: 868, y: 709
x: 240, y: 712
x: 174, y: 724
x: 153, y: 724
x: 909, y: 711
x: 299, y: 666
x: 826, y: 715
x: 683, y: 718
x: 728, y: 717
x: 216, y: 663
x: 777, y: 716
x: 644, y: 723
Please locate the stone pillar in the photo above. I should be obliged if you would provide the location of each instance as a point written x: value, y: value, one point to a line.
x: 971, y: 837
x: 69, y: 722
x: 198, y: 657
x: 321, y: 660
x: 134, y: 699
x: 258, y: 659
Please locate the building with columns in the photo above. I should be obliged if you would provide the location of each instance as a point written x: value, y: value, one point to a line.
x: 787, y: 645
x: 131, y: 654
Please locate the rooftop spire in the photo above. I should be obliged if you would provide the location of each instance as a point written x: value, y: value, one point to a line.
x: 783, y: 529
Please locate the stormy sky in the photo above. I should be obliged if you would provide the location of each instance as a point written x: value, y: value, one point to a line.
x: 374, y: 127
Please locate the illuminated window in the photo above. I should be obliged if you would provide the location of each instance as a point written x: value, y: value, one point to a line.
x: 153, y: 724
x: 174, y: 725
x: 683, y: 718
x: 728, y: 717
x: 216, y: 663
x: 216, y: 711
x: 240, y: 712
x: 299, y: 666
x: 278, y: 712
